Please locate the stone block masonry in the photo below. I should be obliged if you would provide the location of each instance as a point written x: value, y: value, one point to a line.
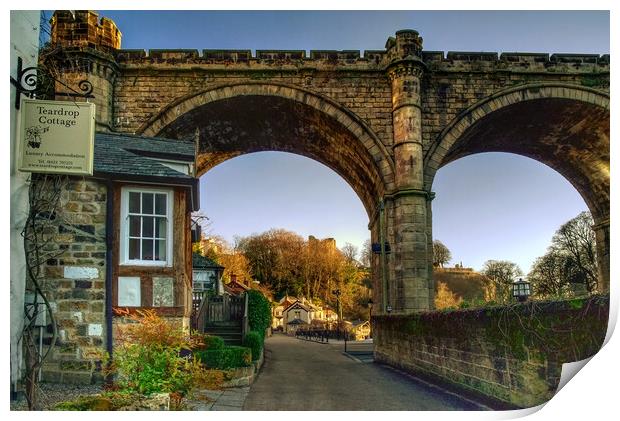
x: 75, y: 284
x: 386, y: 121
x: 511, y: 354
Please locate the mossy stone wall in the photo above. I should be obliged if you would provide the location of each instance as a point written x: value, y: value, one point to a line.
x: 511, y: 354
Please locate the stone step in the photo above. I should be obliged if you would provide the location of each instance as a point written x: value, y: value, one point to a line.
x: 223, y: 325
x: 230, y: 339
x: 212, y: 331
x: 223, y: 333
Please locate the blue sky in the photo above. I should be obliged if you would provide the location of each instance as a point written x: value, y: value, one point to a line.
x: 487, y: 206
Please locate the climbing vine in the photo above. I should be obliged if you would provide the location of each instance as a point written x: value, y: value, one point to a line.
x: 44, y: 194
x: 565, y: 330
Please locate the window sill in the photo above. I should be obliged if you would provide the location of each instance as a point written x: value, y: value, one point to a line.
x: 122, y: 311
x: 146, y: 263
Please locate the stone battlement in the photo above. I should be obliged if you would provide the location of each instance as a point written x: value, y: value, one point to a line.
x: 83, y: 28
x: 436, y: 60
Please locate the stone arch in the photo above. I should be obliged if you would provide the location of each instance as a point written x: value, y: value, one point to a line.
x: 316, y: 126
x: 561, y: 125
x: 585, y: 121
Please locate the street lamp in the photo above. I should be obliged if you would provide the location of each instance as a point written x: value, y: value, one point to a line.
x: 336, y: 292
x: 521, y: 290
x: 370, y: 303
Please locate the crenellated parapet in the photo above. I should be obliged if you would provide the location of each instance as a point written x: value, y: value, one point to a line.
x: 369, y: 60
x: 84, y: 31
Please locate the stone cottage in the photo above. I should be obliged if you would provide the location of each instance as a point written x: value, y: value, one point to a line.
x: 127, y: 245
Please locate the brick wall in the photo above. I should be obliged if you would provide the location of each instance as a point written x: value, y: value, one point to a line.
x: 511, y: 354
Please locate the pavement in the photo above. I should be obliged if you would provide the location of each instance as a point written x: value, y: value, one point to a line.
x: 309, y: 376
x: 220, y: 400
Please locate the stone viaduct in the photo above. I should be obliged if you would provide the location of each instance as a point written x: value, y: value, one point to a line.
x: 384, y: 120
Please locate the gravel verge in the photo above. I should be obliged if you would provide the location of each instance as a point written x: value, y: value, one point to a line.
x: 52, y: 393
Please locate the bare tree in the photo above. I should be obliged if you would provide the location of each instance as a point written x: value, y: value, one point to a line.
x: 577, y: 241
x: 349, y: 251
x: 570, y: 261
x: 549, y: 275
x: 441, y: 254
x: 502, y: 274
x: 366, y: 253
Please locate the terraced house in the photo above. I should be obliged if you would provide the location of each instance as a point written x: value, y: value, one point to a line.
x: 127, y: 246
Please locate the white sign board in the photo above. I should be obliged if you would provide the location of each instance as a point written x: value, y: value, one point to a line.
x: 129, y: 291
x: 57, y: 137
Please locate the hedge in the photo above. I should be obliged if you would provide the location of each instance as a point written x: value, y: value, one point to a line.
x: 225, y: 358
x: 254, y: 341
x: 211, y: 342
x: 259, y: 312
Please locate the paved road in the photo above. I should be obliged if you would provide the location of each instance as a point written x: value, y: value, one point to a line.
x: 302, y: 375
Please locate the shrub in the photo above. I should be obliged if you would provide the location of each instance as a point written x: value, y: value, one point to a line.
x: 205, y: 342
x: 225, y: 358
x: 254, y: 341
x: 210, y: 379
x: 259, y: 311
x: 150, y: 358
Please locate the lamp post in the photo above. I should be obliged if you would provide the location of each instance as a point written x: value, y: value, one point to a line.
x: 521, y: 290
x: 336, y: 292
x: 370, y: 303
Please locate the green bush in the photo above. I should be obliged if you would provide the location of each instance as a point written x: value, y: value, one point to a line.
x: 259, y: 312
x: 152, y: 357
x: 210, y: 342
x: 150, y: 369
x: 254, y: 341
x: 225, y: 358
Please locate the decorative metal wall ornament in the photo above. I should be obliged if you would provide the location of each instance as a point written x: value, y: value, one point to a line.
x: 35, y: 81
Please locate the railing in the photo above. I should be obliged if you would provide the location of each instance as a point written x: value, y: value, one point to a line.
x: 197, y: 297
x: 199, y: 316
x: 316, y: 335
x: 218, y: 308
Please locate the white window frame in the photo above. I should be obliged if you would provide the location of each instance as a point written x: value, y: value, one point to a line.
x: 124, y: 227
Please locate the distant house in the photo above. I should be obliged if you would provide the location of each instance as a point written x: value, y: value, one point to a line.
x: 359, y: 329
x: 291, y: 308
x: 297, y: 312
x: 316, y: 312
x: 331, y: 316
x: 235, y: 287
x: 295, y: 325
x: 277, y: 319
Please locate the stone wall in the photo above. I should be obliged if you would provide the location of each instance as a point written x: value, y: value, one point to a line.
x: 511, y: 354
x: 75, y: 284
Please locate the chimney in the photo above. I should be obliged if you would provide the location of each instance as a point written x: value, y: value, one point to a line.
x: 233, y: 277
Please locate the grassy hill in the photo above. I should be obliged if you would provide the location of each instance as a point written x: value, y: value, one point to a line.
x: 463, y: 282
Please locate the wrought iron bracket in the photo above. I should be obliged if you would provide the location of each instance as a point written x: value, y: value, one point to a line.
x: 30, y: 82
